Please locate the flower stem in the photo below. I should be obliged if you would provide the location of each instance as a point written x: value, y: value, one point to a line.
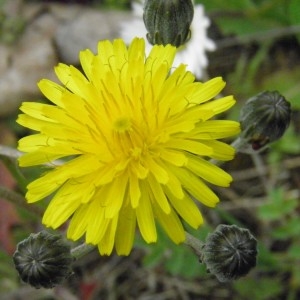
x: 82, y: 250
x: 239, y: 143
x: 194, y: 243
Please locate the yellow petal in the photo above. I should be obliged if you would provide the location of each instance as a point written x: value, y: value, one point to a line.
x: 220, y: 105
x: 86, y: 58
x: 171, y: 224
x: 158, y: 194
x: 215, y: 129
x: 158, y: 171
x: 116, y: 196
x: 208, y: 90
x: 195, y: 186
x: 145, y: 218
x: 78, y: 223
x: 208, y: 171
x: 61, y: 207
x: 97, y: 223
x: 52, y: 91
x: 174, y: 157
x: 106, y: 245
x: 187, y: 209
x: 125, y: 231
x: 221, y: 151
x: 189, y: 146
x: 134, y: 190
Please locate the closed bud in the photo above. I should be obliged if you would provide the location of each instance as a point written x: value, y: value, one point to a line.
x: 168, y: 21
x: 264, y: 118
x: 229, y: 252
x: 43, y: 260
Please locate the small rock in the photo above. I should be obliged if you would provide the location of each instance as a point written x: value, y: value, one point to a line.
x: 52, y: 29
x: 26, y: 62
x: 85, y: 30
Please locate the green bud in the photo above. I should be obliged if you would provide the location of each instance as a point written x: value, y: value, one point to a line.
x: 168, y: 21
x: 43, y: 260
x: 229, y: 252
x: 264, y: 118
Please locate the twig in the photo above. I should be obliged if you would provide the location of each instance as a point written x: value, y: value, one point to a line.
x: 255, y: 202
x: 261, y: 36
x: 261, y: 170
x: 9, y: 152
x: 19, y: 200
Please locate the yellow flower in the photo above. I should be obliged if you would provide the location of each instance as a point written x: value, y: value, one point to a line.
x: 135, y: 137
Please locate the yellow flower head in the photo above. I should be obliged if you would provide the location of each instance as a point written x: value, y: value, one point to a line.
x: 135, y: 136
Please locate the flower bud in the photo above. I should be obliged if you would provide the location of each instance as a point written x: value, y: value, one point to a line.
x: 229, y: 252
x: 168, y: 21
x: 264, y: 118
x: 43, y: 260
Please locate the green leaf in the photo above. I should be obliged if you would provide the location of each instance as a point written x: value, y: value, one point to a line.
x: 243, y: 25
x: 176, y: 259
x: 7, y: 267
x: 185, y: 263
x: 155, y: 255
x: 246, y: 17
x: 259, y: 289
x: 286, y: 82
x: 294, y: 251
x: 294, y: 12
x: 278, y: 207
x: 295, y: 280
x: 289, y: 143
x: 266, y: 259
x: 269, y: 212
x: 176, y: 263
x: 290, y: 228
x: 213, y: 5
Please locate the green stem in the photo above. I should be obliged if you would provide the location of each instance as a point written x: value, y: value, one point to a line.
x: 194, y: 243
x: 239, y: 143
x: 82, y: 250
x: 10, y: 164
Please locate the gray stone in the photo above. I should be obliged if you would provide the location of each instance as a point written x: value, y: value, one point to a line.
x: 85, y: 30
x: 54, y: 33
x: 25, y: 63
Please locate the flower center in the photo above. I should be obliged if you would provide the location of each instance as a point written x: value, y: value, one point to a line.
x: 122, y: 124
x: 136, y: 153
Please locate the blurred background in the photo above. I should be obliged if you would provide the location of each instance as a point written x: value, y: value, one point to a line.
x: 256, y: 47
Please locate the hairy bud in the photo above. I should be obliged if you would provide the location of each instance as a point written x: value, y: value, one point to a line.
x: 43, y: 260
x: 264, y: 118
x: 168, y: 21
x: 229, y: 252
